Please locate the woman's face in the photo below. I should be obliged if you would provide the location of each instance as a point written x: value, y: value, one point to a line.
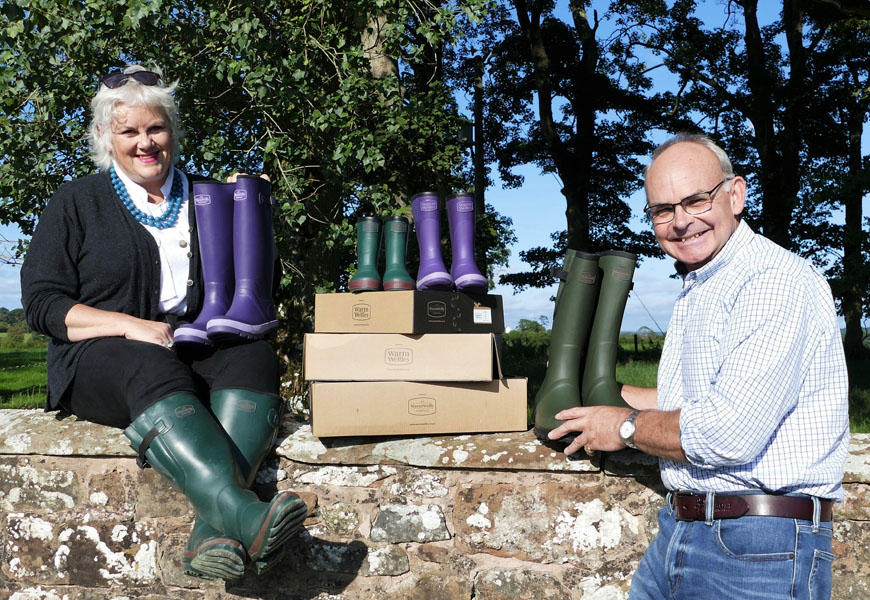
x: 142, y: 145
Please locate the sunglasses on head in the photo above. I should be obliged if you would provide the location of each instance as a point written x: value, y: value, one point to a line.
x: 117, y: 79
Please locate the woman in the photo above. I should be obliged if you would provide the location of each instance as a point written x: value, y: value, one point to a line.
x: 112, y: 269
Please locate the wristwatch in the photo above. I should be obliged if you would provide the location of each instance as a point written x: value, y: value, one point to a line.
x: 626, y: 430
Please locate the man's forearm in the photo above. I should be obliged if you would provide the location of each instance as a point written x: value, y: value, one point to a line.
x: 658, y: 433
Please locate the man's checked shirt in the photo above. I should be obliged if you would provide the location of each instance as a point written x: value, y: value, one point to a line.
x: 754, y: 360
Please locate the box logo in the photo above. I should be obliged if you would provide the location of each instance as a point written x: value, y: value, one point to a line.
x: 398, y: 356
x: 421, y: 407
x: 361, y: 312
x: 437, y: 309
x: 202, y: 199
x: 588, y: 278
x: 240, y: 195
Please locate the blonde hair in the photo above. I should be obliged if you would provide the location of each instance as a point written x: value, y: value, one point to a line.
x: 105, y: 105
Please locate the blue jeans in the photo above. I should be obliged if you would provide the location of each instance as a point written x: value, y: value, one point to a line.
x: 763, y: 558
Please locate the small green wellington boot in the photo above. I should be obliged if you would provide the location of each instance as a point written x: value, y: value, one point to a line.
x: 571, y: 321
x: 599, y: 375
x: 368, y: 250
x: 183, y: 442
x: 251, y: 421
x: 396, y: 248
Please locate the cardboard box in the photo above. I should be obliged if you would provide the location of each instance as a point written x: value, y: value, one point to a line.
x: 408, y: 312
x: 406, y: 408
x: 396, y: 357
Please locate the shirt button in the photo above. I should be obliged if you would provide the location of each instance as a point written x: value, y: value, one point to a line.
x: 183, y: 244
x: 156, y: 262
x: 189, y: 282
x: 190, y: 255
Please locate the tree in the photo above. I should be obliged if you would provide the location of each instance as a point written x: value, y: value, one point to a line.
x: 791, y: 116
x: 288, y: 87
x: 571, y: 100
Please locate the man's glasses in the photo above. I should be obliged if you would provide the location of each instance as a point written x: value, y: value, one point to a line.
x: 117, y: 79
x: 697, y: 204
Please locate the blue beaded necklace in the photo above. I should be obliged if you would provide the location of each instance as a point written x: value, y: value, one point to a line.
x: 169, y: 217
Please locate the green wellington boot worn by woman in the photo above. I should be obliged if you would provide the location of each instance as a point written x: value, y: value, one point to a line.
x: 572, y: 317
x: 180, y: 439
x: 251, y: 421
x: 599, y: 376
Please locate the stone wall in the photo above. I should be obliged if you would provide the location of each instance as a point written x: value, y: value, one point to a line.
x: 488, y: 517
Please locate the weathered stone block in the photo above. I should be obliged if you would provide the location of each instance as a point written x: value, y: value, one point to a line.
x: 402, y: 523
x: 851, y: 568
x: 340, y: 519
x: 389, y: 560
x: 93, y: 553
x: 549, y: 523
x: 518, y: 584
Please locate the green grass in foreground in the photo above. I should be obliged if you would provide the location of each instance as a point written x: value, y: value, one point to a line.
x: 22, y: 378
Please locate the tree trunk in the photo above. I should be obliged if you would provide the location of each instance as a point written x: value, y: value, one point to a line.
x: 854, y: 269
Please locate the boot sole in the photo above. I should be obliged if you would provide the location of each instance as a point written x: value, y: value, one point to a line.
x: 285, y: 517
x: 220, y: 330
x: 390, y: 286
x: 542, y: 434
x: 217, y: 558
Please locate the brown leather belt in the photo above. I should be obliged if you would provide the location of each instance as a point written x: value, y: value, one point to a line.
x: 692, y: 507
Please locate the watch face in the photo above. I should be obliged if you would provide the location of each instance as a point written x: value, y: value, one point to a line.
x: 626, y: 429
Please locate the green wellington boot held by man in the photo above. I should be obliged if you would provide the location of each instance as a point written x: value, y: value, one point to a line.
x: 572, y: 318
x: 599, y: 385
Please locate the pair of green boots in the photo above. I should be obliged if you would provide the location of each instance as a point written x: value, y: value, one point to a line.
x: 590, y: 303
x: 213, y: 459
x: 369, y: 232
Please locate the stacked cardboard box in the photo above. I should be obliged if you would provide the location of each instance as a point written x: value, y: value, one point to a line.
x: 409, y: 362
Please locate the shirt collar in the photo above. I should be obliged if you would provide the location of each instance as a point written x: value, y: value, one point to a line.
x: 740, y: 238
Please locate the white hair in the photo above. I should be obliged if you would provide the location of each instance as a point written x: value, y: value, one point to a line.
x: 105, y: 106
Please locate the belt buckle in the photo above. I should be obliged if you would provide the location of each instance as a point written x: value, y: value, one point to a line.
x: 692, y: 505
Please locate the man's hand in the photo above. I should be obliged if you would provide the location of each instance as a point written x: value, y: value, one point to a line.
x: 597, y: 428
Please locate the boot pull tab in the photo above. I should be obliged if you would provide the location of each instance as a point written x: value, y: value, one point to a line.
x: 559, y: 273
x: 143, y: 447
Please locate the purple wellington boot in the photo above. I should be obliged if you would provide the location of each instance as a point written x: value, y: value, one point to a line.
x: 213, y: 203
x: 432, y: 274
x: 252, y: 313
x: 460, y: 215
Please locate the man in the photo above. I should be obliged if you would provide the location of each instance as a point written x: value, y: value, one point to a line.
x: 750, y: 416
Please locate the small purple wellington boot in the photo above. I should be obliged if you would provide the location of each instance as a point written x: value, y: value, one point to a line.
x: 252, y: 313
x: 213, y: 203
x: 460, y: 215
x: 432, y: 274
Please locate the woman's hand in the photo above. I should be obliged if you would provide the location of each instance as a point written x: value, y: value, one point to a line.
x: 85, y: 322
x: 232, y: 178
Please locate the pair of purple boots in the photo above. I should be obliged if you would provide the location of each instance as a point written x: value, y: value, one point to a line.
x: 432, y: 274
x: 234, y: 223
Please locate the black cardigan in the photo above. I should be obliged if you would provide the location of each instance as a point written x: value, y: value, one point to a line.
x: 88, y: 249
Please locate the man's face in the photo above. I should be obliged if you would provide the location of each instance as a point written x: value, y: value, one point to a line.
x: 681, y: 171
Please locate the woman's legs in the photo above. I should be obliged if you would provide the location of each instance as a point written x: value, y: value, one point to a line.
x: 151, y: 391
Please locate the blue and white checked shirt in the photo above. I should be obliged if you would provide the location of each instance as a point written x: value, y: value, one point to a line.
x: 754, y: 359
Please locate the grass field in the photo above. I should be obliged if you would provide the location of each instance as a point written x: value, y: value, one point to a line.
x: 22, y: 378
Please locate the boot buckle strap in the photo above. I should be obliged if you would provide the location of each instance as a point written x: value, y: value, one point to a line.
x: 141, y: 462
